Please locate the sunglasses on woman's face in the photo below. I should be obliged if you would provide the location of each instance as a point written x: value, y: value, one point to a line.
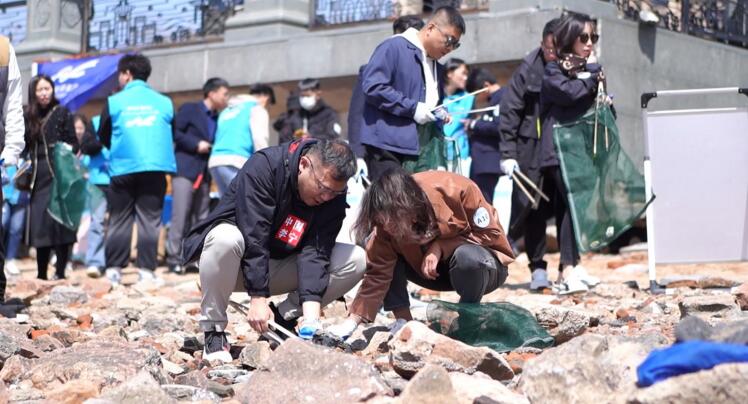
x: 587, y: 37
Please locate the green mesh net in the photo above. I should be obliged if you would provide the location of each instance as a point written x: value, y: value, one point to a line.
x: 67, y: 200
x: 500, y: 326
x: 605, y: 189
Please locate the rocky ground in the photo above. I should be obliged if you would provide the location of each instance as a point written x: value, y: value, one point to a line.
x: 82, y: 340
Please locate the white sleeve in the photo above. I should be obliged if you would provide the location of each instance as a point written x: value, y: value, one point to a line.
x: 259, y: 122
x: 13, y: 113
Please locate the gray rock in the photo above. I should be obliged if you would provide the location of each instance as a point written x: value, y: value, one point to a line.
x: 587, y: 369
x: 66, y: 295
x: 694, y: 328
x: 431, y: 385
x: 219, y: 389
x: 362, y: 336
x: 724, y: 384
x: 298, y: 370
x: 195, y: 378
x: 470, y: 388
x: 189, y: 393
x: 415, y: 345
x: 563, y: 323
x: 8, y: 347
x: 138, y: 390
x: 21, y: 395
x: 396, y: 382
x: 157, y: 324
x: 226, y: 372
x: 47, y: 343
x: 710, y: 307
x: 256, y: 355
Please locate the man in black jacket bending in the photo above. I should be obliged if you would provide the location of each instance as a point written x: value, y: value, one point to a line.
x: 519, y: 126
x: 274, y: 232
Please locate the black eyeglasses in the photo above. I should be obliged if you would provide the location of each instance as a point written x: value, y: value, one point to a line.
x: 324, y: 188
x: 449, y: 41
x: 584, y: 37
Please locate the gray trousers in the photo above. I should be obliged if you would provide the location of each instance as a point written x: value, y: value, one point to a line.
x: 188, y: 206
x: 220, y: 275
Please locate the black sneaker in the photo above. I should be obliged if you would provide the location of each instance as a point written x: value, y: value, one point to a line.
x: 217, y: 347
x: 289, y: 325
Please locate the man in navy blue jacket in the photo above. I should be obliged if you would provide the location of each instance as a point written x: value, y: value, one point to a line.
x: 194, y: 130
x: 401, y: 88
x: 274, y: 232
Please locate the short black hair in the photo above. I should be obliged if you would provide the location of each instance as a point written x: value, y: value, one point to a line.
x: 568, y: 30
x: 309, y: 84
x: 407, y: 21
x: 477, y: 77
x: 213, y: 84
x: 550, y: 27
x: 137, y: 64
x: 263, y: 89
x: 450, y: 16
x: 335, y: 154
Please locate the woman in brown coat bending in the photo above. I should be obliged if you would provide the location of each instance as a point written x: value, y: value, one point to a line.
x: 432, y: 228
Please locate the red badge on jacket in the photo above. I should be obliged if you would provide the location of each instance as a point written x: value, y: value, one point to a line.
x: 291, y: 230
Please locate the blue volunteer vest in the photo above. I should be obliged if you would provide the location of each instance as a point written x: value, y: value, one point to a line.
x: 141, y: 131
x: 233, y: 134
x: 98, y: 165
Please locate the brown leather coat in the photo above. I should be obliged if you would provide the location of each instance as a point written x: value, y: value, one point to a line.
x: 463, y: 216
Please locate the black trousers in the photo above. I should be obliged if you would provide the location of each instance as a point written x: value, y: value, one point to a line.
x: 567, y: 242
x: 3, y: 281
x: 379, y: 161
x: 529, y: 222
x: 471, y: 271
x: 135, y: 196
x: 487, y: 184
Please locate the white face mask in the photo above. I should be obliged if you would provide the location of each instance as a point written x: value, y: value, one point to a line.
x: 308, y: 102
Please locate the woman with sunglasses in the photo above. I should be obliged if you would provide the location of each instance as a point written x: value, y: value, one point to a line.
x: 432, y: 228
x: 569, y: 89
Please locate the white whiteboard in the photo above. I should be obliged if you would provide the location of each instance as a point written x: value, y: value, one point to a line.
x: 699, y: 166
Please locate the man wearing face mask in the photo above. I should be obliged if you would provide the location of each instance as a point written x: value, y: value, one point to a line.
x: 401, y: 84
x: 315, y: 119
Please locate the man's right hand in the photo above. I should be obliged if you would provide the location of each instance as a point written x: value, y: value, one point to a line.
x: 259, y: 314
x: 203, y: 147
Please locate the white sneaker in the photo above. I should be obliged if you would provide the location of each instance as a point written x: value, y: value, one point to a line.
x: 93, y: 272
x: 11, y: 268
x: 579, y: 273
x: 146, y: 275
x: 114, y: 275
x: 570, y: 286
x: 539, y: 280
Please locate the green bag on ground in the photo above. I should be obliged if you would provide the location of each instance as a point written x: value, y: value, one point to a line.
x: 68, y: 197
x: 431, y: 150
x: 500, y: 326
x: 605, y: 190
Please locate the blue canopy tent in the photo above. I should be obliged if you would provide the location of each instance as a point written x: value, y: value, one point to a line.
x: 78, y: 80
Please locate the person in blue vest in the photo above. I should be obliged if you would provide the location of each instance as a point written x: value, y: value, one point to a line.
x: 401, y: 88
x: 96, y: 160
x: 243, y: 128
x: 194, y: 130
x: 136, y: 127
x: 459, y: 103
x: 483, y: 131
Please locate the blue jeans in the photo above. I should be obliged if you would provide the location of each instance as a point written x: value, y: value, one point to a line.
x: 14, y: 218
x: 223, y: 175
x: 96, y: 231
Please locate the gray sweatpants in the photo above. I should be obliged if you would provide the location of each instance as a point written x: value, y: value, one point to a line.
x: 220, y: 275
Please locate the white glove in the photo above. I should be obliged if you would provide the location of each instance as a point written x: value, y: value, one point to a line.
x: 423, y: 115
x: 344, y: 329
x: 509, y: 166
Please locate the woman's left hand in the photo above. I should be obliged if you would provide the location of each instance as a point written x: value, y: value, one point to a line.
x: 430, y: 262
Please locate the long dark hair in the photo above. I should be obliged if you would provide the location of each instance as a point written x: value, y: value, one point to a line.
x: 34, y: 112
x: 568, y: 30
x: 397, y: 201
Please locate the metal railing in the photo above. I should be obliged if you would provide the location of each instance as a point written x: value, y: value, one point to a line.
x: 336, y: 12
x: 719, y: 20
x: 121, y: 24
x: 13, y: 20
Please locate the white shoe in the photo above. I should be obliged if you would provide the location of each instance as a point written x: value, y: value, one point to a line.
x: 93, y: 272
x: 146, y: 275
x: 570, y: 286
x: 114, y: 275
x: 11, y: 268
x: 539, y: 280
x: 579, y: 273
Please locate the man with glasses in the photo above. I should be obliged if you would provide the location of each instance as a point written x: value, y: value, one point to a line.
x: 272, y: 233
x: 519, y: 134
x: 402, y: 85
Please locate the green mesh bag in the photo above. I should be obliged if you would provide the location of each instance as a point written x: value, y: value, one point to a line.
x: 605, y: 189
x: 431, y: 153
x: 68, y: 197
x: 500, y: 326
